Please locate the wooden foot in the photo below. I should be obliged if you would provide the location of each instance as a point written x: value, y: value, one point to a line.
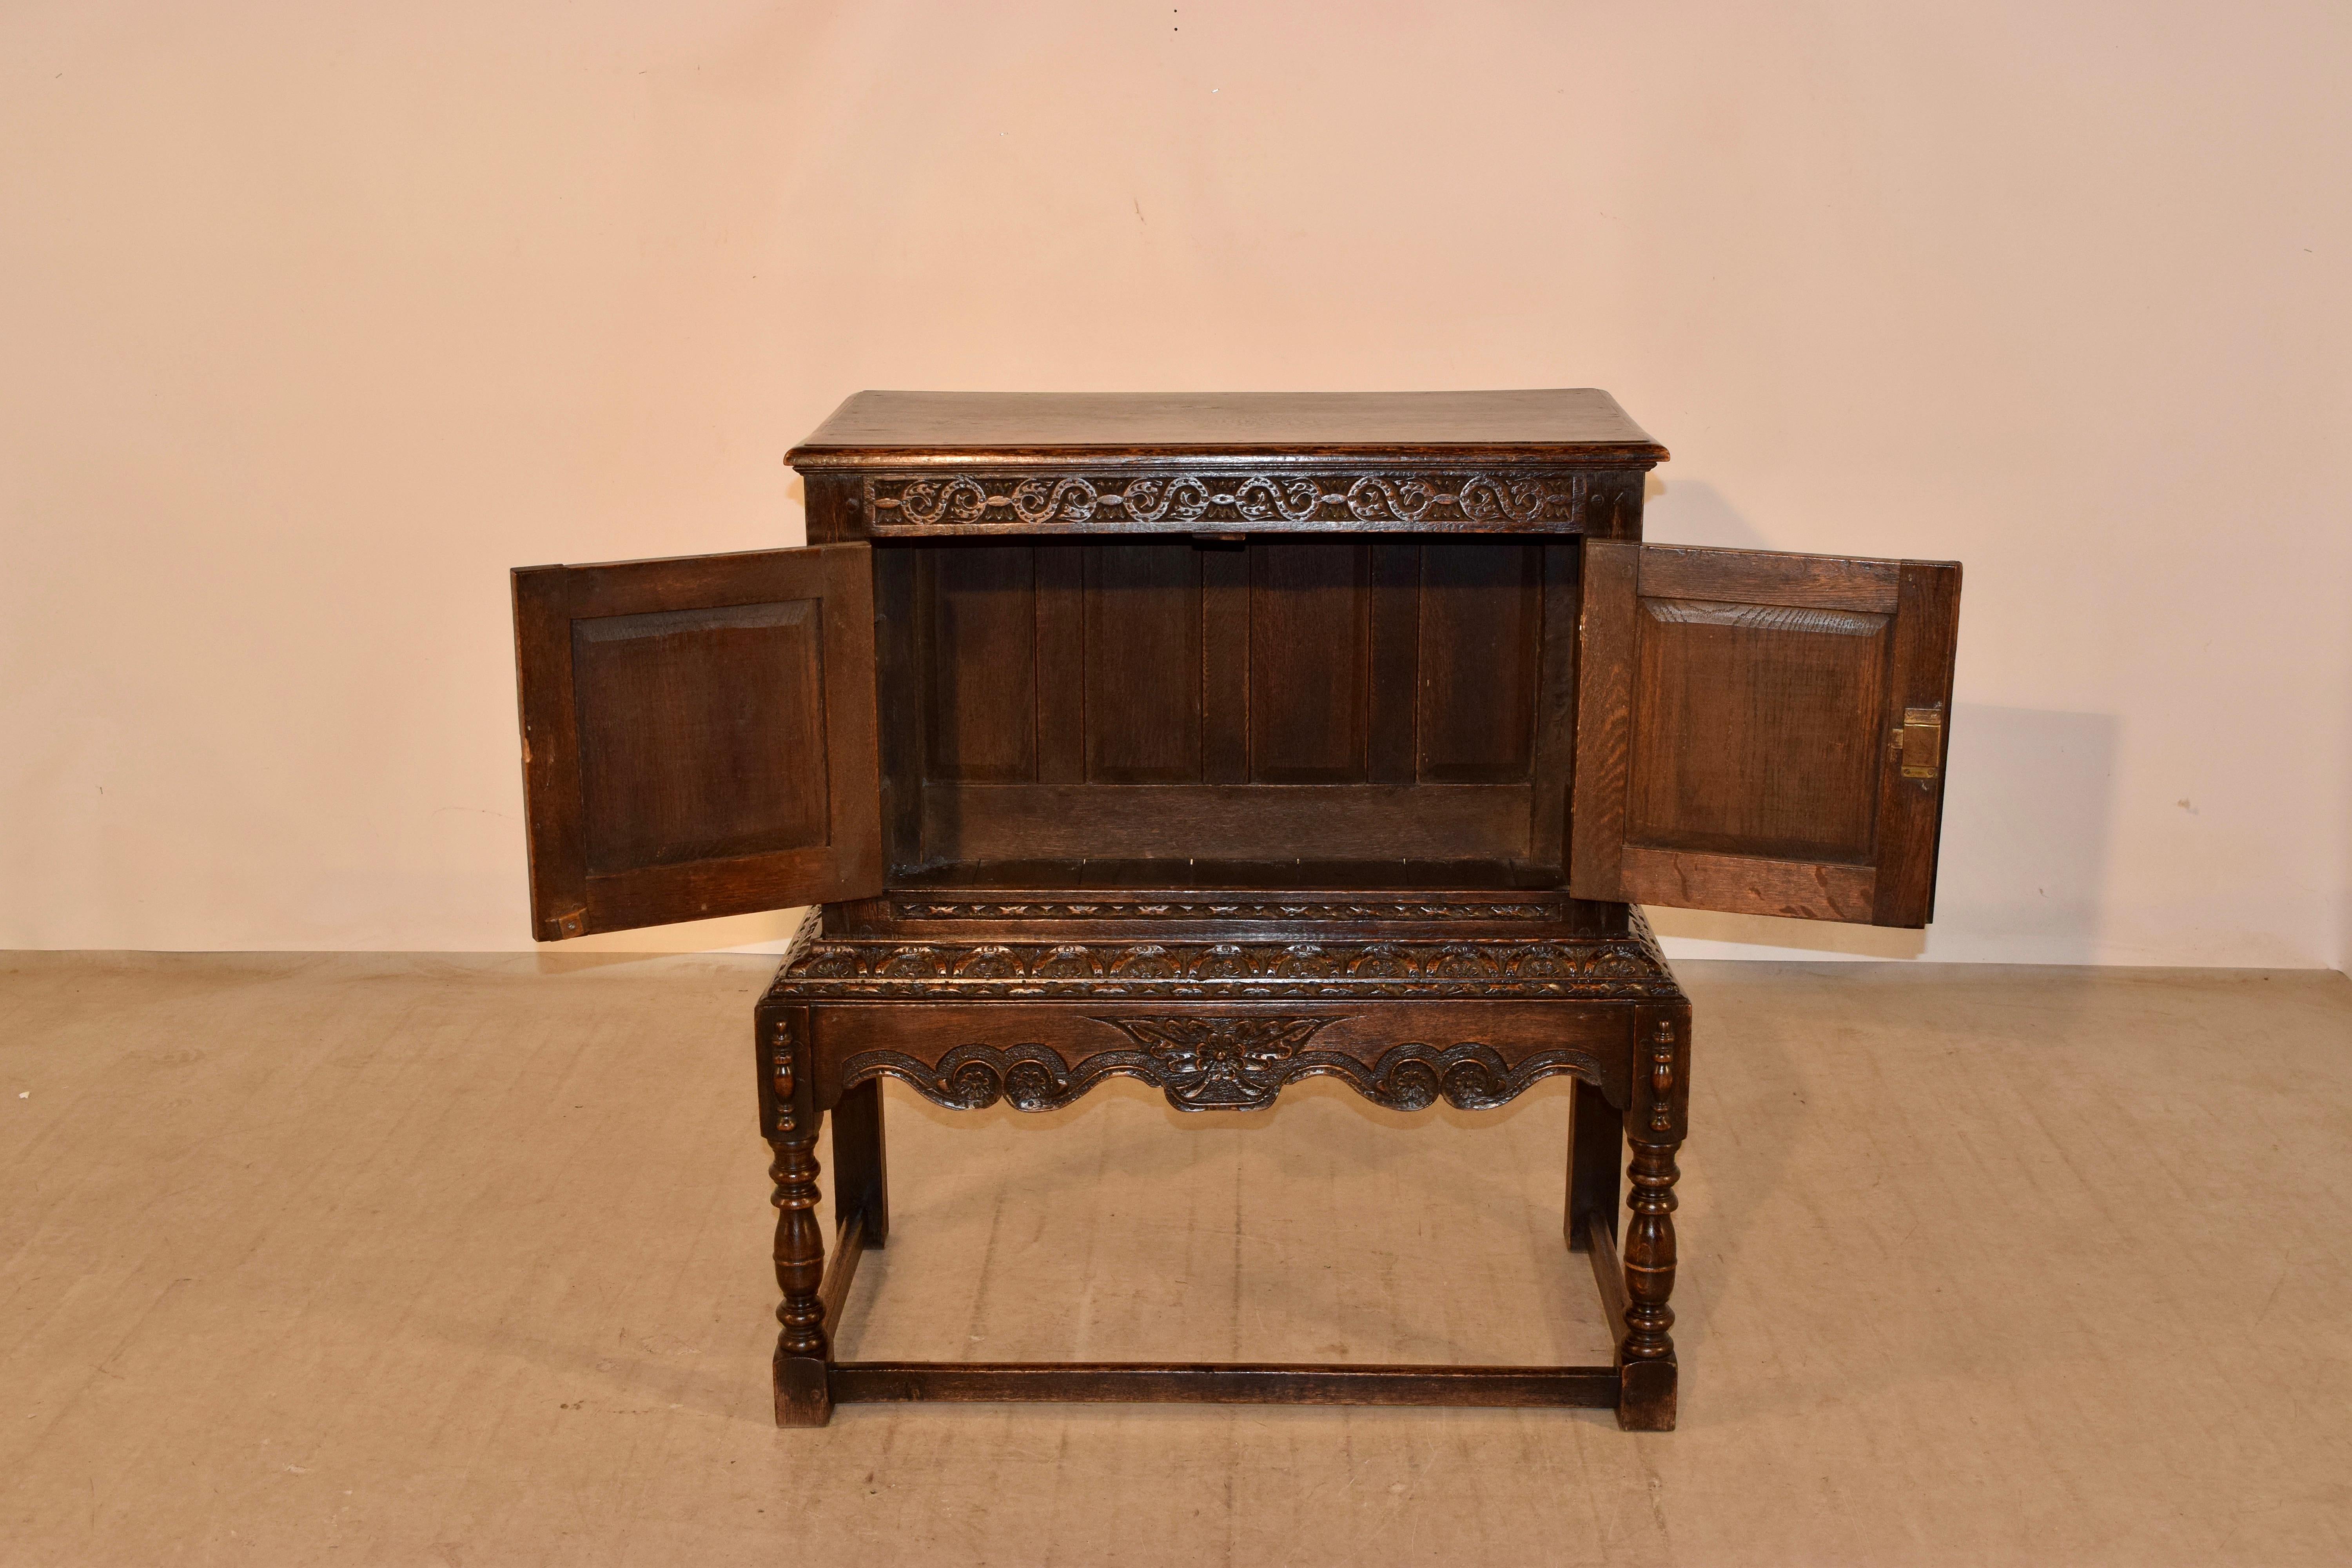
x: 861, y: 1185
x: 803, y: 1397
x: 1597, y: 1143
x: 1645, y: 1395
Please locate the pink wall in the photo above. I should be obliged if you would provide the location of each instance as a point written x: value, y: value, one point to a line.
x: 317, y: 319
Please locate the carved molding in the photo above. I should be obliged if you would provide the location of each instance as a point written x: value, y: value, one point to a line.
x: 1766, y: 618
x: 1209, y: 1063
x: 1611, y: 968
x: 1387, y: 497
x: 785, y: 1069
x: 1662, y: 1077
x: 918, y: 909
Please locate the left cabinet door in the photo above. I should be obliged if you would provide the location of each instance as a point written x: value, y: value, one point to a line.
x: 697, y: 736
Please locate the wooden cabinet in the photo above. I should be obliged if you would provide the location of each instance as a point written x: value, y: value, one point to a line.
x: 1221, y: 740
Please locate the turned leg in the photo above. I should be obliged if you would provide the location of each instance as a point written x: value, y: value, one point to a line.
x: 1596, y: 1143
x: 788, y: 1106
x: 860, y: 1175
x: 1645, y: 1356
x: 803, y: 1398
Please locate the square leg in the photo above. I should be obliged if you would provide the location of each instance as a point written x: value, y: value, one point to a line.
x: 1596, y: 1153
x: 861, y: 1185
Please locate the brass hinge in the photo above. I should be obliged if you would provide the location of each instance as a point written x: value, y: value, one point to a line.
x: 1921, y: 742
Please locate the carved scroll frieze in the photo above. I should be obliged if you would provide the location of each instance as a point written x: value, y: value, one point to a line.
x: 1210, y: 1063
x: 1617, y: 968
x: 922, y: 909
x: 1180, y: 499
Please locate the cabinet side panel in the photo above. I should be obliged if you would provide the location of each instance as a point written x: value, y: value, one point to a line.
x: 900, y: 701
x: 1309, y: 662
x: 1143, y: 673
x: 1481, y: 619
x: 1555, y: 757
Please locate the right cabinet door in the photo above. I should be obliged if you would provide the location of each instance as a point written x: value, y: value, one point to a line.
x: 1762, y: 733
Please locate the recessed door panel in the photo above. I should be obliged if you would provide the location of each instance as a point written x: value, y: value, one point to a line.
x: 698, y: 736
x: 1762, y: 733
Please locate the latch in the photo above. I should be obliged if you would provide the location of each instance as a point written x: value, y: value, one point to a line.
x: 1921, y: 742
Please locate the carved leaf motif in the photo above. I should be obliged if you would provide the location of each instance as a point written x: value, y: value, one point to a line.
x: 1220, y: 1061
x: 1067, y: 964
x: 1488, y: 966
x: 1149, y: 961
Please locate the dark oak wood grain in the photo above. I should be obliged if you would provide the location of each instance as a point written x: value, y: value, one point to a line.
x: 1596, y: 1157
x: 698, y: 736
x: 910, y: 428
x: 1740, y: 731
x: 1223, y: 741
x: 1198, y: 1382
x: 1167, y: 698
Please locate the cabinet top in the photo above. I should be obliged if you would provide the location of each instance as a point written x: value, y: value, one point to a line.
x: 1575, y: 427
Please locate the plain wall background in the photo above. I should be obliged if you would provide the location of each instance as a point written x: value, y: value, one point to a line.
x: 316, y: 318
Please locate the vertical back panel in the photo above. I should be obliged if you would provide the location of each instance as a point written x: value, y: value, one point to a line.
x: 981, y: 612
x: 1394, y: 698
x: 1309, y: 662
x: 1481, y: 617
x: 1061, y: 662
x: 1225, y: 663
x: 1143, y: 663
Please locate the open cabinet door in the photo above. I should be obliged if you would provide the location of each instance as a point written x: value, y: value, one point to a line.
x: 697, y: 736
x: 1762, y: 733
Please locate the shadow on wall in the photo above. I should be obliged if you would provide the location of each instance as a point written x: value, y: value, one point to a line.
x: 2028, y: 812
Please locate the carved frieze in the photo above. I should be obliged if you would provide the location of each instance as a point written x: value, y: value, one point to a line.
x: 1611, y: 968
x: 1389, y: 496
x: 1210, y: 1063
x: 913, y: 907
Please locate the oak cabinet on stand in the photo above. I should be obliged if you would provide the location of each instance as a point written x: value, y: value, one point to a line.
x: 1223, y: 741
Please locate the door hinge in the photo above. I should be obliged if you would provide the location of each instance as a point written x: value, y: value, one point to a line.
x: 1921, y: 742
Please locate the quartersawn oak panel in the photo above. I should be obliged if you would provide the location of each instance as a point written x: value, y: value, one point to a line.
x: 1756, y: 729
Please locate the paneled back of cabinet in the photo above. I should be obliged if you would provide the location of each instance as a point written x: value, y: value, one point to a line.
x: 1363, y: 700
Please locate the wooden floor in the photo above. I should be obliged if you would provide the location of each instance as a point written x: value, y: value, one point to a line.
x: 463, y: 1261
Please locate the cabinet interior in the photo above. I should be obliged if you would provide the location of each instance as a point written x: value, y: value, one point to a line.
x: 1364, y: 711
